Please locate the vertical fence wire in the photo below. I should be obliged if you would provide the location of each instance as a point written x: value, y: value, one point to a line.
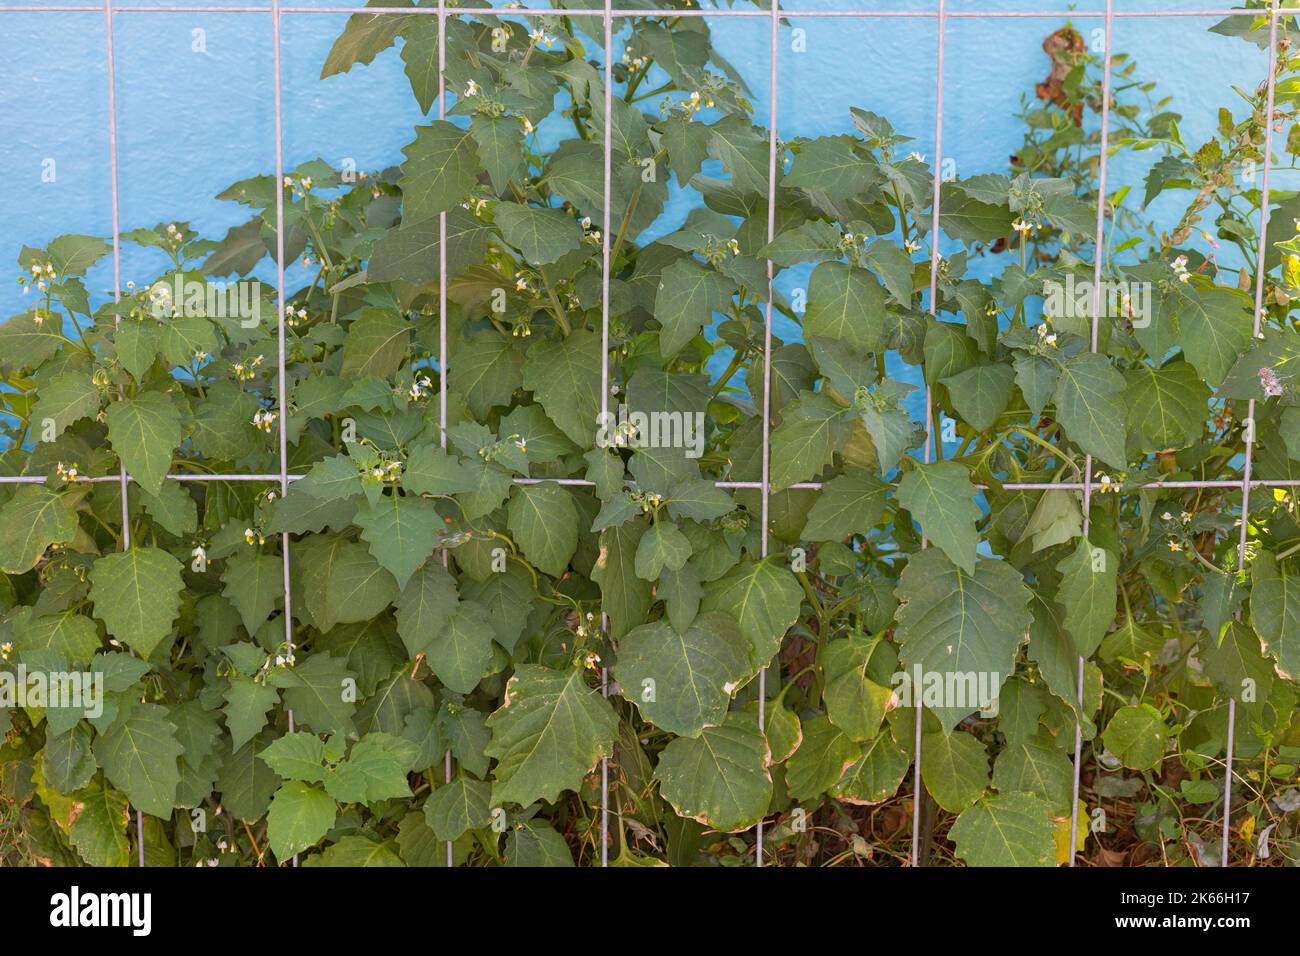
x: 765, y: 492
x: 442, y: 323
x: 918, y: 786
x: 281, y: 376
x: 123, y: 482
x: 1250, y: 406
x: 607, y: 156
x: 1098, y: 250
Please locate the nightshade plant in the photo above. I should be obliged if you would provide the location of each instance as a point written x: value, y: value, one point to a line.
x: 456, y: 595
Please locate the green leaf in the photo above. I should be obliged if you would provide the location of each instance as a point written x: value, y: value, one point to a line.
x: 565, y: 378
x: 500, y: 142
x: 1166, y: 406
x: 1275, y: 611
x: 719, y: 778
x: 67, y: 398
x: 137, y: 594
x: 99, y: 832
x: 33, y: 520
x: 847, y: 304
x: 830, y: 164
x: 1011, y: 829
x: 1214, y: 328
x: 819, y: 763
x: 812, y: 429
x: 144, y: 431
x: 954, y: 768
x: 940, y: 497
x: 688, y: 295
x: 440, y: 170
x: 254, y: 585
x: 981, y: 394
x: 297, y: 756
x: 460, y: 806
x: 544, y: 521
x: 247, y: 706
x: 139, y: 758
x: 299, y: 818
x: 461, y: 654
x: 401, y: 532
x: 683, y: 681
x: 542, y: 235
x: 1036, y: 766
x: 853, y: 503
x: 375, y: 770
x: 425, y: 607
x: 1137, y: 736
x: 951, y: 622
x: 376, y: 344
x: 549, y: 733
x: 1087, y: 592
x: 854, y: 703
x: 624, y: 596
x: 1089, y: 407
x: 662, y: 546
x: 315, y: 692
x: 764, y: 597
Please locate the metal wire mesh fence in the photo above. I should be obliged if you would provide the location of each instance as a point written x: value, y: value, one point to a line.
x: 275, y: 12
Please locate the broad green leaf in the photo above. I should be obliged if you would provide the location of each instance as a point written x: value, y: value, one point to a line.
x: 1137, y: 736
x: 662, y: 546
x: 1275, y: 611
x: 254, y: 585
x: 375, y: 770
x: 321, y: 693
x: 542, y: 235
x: 812, y: 429
x: 764, y: 597
x: 376, y: 344
x: 848, y: 304
x: 854, y: 702
x: 247, y: 705
x: 457, y: 807
x: 1166, y: 406
x: 954, y: 768
x: 460, y: 653
x: 139, y: 758
x: 940, y: 497
x: 1010, y: 829
x: 1090, y: 409
x: 401, y: 532
x: 33, y: 520
x: 1087, y: 593
x: 819, y: 763
x: 967, y: 626
x: 68, y: 397
x: 719, y: 778
x: 853, y: 503
x: 683, y: 681
x: 144, y: 431
x: 624, y: 596
x: 687, y: 297
x: 137, y: 594
x: 1036, y: 766
x: 425, y: 606
x: 440, y: 170
x: 297, y: 756
x: 543, y: 520
x: 565, y: 378
x: 549, y: 733
x: 981, y: 394
x: 299, y: 818
x: 99, y: 832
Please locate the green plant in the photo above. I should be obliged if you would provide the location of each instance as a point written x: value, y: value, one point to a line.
x: 448, y: 588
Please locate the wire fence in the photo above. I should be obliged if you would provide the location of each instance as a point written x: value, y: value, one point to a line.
x: 774, y: 14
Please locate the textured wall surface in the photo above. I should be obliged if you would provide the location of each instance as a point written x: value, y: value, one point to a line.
x: 192, y: 122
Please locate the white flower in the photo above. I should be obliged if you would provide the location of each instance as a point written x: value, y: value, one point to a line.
x: 1166, y: 517
x: 471, y: 88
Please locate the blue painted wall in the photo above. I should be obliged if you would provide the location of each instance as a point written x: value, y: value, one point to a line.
x: 190, y: 123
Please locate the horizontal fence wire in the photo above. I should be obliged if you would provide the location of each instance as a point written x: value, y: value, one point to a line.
x: 940, y: 14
